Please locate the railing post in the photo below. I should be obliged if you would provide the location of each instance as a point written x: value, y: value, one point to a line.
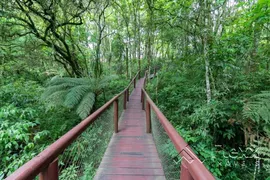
x: 50, y: 173
x: 141, y: 94
x: 127, y: 94
x: 144, y: 82
x: 146, y: 77
x: 184, y: 174
x: 134, y: 83
x: 115, y: 118
x: 125, y: 100
x: 143, y: 100
x: 148, y: 117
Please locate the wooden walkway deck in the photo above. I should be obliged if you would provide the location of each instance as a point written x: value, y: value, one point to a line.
x: 131, y: 154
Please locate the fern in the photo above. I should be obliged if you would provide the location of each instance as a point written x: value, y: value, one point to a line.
x: 102, y: 83
x: 258, y: 109
x: 86, y: 105
x: 56, y: 98
x: 76, y: 93
x: 262, y: 151
x: 68, y: 80
x: 52, y: 89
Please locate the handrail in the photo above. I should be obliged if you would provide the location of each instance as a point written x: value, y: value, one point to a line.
x: 43, y: 160
x: 195, y: 169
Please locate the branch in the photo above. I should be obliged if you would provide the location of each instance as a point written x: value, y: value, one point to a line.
x: 107, y: 35
x: 70, y: 23
x: 20, y: 34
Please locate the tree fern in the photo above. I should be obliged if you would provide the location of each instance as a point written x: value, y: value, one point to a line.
x: 74, y: 93
x: 102, y: 83
x: 69, y: 81
x: 257, y: 109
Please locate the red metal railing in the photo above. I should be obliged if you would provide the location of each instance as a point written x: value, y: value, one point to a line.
x: 45, y: 164
x: 191, y: 166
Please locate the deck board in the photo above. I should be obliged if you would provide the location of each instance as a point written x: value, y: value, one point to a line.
x: 131, y: 153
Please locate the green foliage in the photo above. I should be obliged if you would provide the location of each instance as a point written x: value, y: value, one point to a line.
x: 89, y: 172
x: 213, y: 130
x: 25, y: 128
x: 17, y: 145
x: 257, y: 109
x: 69, y: 173
x: 261, y: 148
x: 83, y: 156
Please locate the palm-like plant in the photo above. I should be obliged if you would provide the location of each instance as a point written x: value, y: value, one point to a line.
x: 258, y: 110
x: 77, y: 93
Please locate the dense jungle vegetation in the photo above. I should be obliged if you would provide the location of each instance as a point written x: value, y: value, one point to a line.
x: 60, y: 60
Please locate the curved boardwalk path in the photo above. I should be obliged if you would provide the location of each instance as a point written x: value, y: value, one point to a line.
x: 131, y: 154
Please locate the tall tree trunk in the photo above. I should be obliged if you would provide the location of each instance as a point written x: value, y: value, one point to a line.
x: 205, y: 49
x: 256, y: 40
x: 139, y: 40
x: 150, y: 14
x: 126, y: 58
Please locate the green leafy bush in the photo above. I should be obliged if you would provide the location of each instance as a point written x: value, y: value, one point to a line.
x: 216, y: 130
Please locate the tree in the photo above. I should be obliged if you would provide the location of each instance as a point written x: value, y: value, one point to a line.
x: 78, y: 93
x: 100, y: 21
x: 52, y: 22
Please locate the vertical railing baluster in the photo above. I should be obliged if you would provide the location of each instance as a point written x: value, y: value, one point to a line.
x: 128, y: 94
x: 146, y: 77
x: 134, y: 83
x: 125, y: 100
x: 51, y: 172
x: 148, y: 117
x: 143, y: 96
x: 115, y: 106
x: 184, y: 174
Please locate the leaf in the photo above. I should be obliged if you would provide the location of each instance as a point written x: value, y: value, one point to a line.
x: 75, y: 95
x: 86, y: 105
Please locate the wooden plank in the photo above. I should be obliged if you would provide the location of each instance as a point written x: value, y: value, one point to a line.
x: 133, y: 159
x: 131, y: 153
x: 129, y: 177
x: 131, y: 171
x: 129, y: 164
x: 132, y: 148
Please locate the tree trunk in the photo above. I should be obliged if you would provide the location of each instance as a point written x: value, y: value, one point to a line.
x: 126, y: 58
x: 205, y: 49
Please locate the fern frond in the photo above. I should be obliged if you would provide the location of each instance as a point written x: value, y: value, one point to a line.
x: 75, y: 95
x: 262, y: 151
x: 103, y: 83
x: 52, y: 89
x: 258, y: 108
x: 56, y: 98
x: 85, y: 106
x: 67, y: 80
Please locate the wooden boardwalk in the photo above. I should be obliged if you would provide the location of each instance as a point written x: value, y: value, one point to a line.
x: 131, y: 154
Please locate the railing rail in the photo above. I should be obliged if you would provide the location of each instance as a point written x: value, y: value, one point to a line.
x: 45, y: 164
x: 191, y: 166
